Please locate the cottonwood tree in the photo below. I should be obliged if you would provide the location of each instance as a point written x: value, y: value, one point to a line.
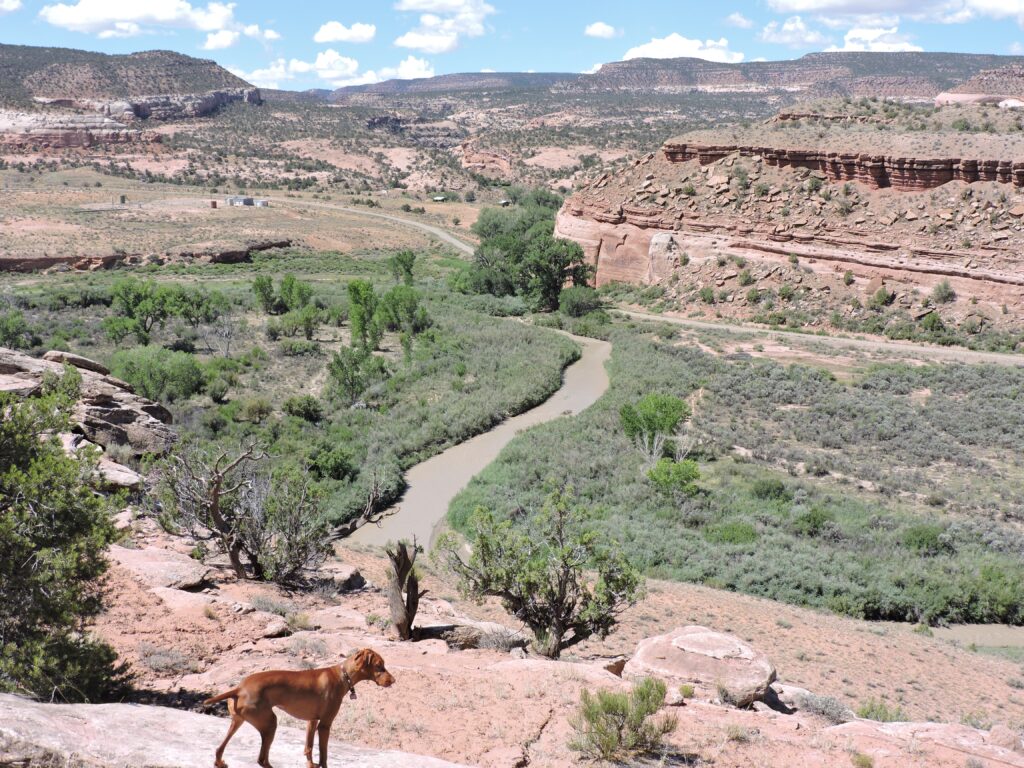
x: 361, y: 315
x: 539, y: 570
x: 403, y: 586
x: 273, y: 522
x: 652, y: 421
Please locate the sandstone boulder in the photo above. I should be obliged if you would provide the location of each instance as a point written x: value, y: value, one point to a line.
x: 161, y: 567
x: 115, y: 735
x: 107, y: 413
x: 712, y: 660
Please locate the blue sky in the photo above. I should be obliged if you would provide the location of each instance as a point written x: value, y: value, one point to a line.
x: 305, y: 44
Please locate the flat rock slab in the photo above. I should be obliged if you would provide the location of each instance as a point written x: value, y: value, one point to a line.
x: 117, y: 735
x: 161, y: 567
x: 707, y: 658
x: 947, y: 742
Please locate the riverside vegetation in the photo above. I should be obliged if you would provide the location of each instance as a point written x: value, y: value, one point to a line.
x: 808, y: 511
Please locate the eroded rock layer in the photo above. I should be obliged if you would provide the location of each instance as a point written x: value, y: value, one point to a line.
x: 742, y: 225
x: 877, y: 171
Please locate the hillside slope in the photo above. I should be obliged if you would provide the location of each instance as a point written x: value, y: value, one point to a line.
x: 900, y: 75
x: 28, y: 72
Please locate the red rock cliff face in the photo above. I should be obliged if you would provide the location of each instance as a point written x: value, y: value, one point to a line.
x: 877, y: 171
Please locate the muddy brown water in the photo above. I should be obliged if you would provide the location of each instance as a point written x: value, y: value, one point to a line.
x: 433, y: 483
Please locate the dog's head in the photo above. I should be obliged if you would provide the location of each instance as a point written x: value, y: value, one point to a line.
x: 368, y: 665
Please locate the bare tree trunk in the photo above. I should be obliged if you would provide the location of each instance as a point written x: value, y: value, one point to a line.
x: 403, y: 587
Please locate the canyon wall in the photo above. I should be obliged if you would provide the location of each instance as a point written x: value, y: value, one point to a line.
x: 876, y: 171
x: 160, y: 107
x: 20, y: 130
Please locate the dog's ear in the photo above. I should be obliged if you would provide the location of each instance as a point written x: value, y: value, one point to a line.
x: 360, y: 657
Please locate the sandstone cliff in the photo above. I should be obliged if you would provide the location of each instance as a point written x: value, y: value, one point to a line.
x: 56, y: 131
x: 159, y: 107
x: 686, y: 216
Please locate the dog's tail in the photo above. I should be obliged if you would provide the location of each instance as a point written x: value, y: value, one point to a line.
x: 232, y: 694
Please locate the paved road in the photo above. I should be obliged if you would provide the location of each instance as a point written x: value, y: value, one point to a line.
x: 935, y: 352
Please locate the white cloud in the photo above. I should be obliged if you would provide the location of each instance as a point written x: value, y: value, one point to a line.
x: 268, y: 77
x: 602, y: 30
x: 487, y: 71
x: 129, y: 18
x: 331, y: 65
x: 675, y: 45
x: 1016, y: 48
x: 6, y: 6
x: 792, y: 32
x: 410, y: 68
x: 336, y: 32
x: 942, y: 11
x: 737, y: 19
x: 254, y: 31
x: 117, y: 18
x: 875, y: 39
x: 592, y: 70
x: 225, y: 38
x: 335, y: 69
x: 443, y: 23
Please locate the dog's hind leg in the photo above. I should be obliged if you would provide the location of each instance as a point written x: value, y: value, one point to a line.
x: 310, y: 732
x: 236, y: 723
x: 266, y: 724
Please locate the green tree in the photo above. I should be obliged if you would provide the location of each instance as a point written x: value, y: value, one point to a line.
x: 139, y: 306
x: 159, y: 373
x: 263, y: 289
x: 15, y: 331
x: 361, y: 314
x: 402, y: 264
x: 353, y: 370
x: 400, y: 310
x: 538, y: 571
x: 550, y: 264
x: 675, y: 477
x: 294, y: 293
x: 54, y: 530
x: 272, y: 519
x: 652, y: 421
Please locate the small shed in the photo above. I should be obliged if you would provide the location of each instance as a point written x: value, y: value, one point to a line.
x: 504, y: 203
x: 239, y: 200
x: 439, y: 198
x: 262, y: 203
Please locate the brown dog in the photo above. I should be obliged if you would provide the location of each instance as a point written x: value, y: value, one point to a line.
x: 314, y: 695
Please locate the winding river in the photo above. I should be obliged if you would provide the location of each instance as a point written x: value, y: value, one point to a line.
x: 433, y: 483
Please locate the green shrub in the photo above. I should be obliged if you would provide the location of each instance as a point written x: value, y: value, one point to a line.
x: 732, y: 532
x: 612, y: 726
x: 943, y: 293
x: 746, y: 278
x: 578, y: 300
x: 217, y: 390
x: 304, y: 407
x: 848, y: 277
x: 860, y: 760
x: 876, y: 709
x: 786, y: 291
x: 675, y: 476
x: 332, y: 462
x: 827, y: 707
x: 300, y: 348
x: 771, y: 489
x: 812, y: 522
x: 926, y: 539
x: 159, y: 373
x: 54, y: 530
x: 256, y: 410
x: 15, y: 331
x: 707, y: 294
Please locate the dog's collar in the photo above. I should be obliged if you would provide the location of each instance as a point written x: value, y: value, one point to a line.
x: 349, y: 682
